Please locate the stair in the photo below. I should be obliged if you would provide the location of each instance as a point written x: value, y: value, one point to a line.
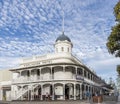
x: 23, y: 92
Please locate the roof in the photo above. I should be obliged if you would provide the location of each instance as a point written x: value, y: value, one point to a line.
x: 63, y: 38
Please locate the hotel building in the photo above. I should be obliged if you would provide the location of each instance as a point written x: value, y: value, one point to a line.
x: 59, y: 75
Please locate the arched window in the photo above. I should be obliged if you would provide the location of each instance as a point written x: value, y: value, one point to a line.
x: 38, y: 72
x: 28, y: 73
x: 80, y: 71
x: 85, y: 74
x: 68, y: 49
x: 88, y: 75
x: 91, y: 77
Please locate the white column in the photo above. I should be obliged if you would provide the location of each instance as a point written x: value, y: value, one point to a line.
x: 51, y: 73
x: 22, y: 91
x: 1, y: 93
x: 91, y: 89
x: 91, y: 77
x: 36, y: 78
x: 85, y: 91
x: 20, y: 74
x: 87, y: 74
x: 63, y: 68
x: 21, y: 77
x: 63, y: 91
x: 80, y: 91
x: 53, y: 93
x: 12, y: 93
x: 64, y: 71
x: 100, y: 91
x: 88, y: 88
x: 31, y: 93
x: 36, y: 92
x: 74, y: 91
x: 30, y: 75
x: 27, y: 76
x: 28, y: 93
x: 95, y: 90
x: 83, y: 72
x: 40, y: 74
x: 76, y: 71
x: 69, y: 91
x: 41, y: 92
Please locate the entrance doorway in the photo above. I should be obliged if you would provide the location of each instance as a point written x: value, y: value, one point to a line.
x: 67, y: 92
x: 51, y: 92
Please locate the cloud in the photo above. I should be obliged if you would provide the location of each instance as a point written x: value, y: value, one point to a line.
x: 104, y: 64
x: 9, y: 62
x: 31, y: 28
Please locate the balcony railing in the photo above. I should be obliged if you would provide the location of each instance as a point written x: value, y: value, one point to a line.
x: 38, y: 78
x: 41, y: 78
x: 27, y: 79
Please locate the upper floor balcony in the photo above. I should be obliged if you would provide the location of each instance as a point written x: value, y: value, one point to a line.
x: 53, y: 73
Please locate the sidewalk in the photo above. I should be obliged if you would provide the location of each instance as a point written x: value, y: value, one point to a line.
x: 105, y: 102
x: 57, y: 102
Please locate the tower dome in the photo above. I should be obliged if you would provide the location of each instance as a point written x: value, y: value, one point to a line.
x: 63, y: 44
x: 63, y: 38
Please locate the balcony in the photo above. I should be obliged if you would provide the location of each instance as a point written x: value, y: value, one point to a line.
x: 26, y: 79
x: 39, y: 78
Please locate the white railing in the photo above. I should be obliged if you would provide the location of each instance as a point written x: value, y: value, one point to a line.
x: 25, y: 79
x: 24, y: 91
x: 91, y: 82
x: 40, y: 78
x: 29, y: 79
x: 37, y: 79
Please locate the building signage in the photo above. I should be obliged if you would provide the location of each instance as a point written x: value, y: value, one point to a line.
x: 38, y: 63
x: 78, y: 77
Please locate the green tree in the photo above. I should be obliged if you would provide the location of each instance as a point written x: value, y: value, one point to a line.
x: 118, y: 69
x: 113, y: 43
x: 117, y: 11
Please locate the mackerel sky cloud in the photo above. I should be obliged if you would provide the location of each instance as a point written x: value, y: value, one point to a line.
x: 30, y: 27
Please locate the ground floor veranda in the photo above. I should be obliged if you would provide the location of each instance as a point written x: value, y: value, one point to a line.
x: 54, y: 91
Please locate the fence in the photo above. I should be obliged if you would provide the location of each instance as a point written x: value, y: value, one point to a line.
x: 110, y: 98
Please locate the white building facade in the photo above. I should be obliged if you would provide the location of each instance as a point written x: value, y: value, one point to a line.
x: 5, y: 84
x: 60, y: 75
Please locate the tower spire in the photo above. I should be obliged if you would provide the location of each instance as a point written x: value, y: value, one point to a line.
x: 62, y: 21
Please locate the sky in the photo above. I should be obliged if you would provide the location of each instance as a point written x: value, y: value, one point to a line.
x: 30, y: 27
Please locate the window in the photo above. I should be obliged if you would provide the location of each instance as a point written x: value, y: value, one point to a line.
x: 28, y: 73
x: 91, y: 77
x: 38, y: 72
x: 88, y: 75
x: 68, y: 49
x: 85, y: 74
x: 80, y: 71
